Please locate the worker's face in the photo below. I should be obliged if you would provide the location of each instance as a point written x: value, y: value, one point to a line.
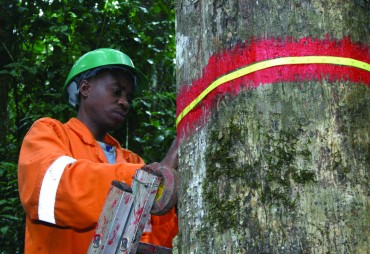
x: 106, y: 99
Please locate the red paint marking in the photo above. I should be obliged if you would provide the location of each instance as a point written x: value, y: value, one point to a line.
x: 138, y: 214
x: 110, y: 241
x: 127, y: 199
x: 141, y: 227
x: 260, y: 50
x: 114, y: 203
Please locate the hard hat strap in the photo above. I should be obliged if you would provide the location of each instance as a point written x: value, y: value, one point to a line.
x: 91, y: 73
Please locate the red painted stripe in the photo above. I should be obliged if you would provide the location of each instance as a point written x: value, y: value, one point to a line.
x: 260, y: 50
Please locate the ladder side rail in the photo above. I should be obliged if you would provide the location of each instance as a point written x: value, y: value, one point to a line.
x: 144, y: 187
x: 112, y: 219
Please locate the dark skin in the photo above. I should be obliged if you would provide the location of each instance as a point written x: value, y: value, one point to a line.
x: 104, y: 104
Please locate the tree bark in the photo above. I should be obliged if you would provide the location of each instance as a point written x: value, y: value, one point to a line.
x: 279, y: 167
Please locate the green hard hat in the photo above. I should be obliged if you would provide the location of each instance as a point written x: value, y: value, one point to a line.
x: 105, y: 57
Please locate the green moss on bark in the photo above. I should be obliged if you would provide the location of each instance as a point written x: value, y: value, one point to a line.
x: 230, y: 168
x: 221, y: 168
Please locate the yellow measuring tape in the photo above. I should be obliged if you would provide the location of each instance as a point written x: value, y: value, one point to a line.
x: 271, y: 63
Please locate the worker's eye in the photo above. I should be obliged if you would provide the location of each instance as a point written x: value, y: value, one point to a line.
x: 117, y: 91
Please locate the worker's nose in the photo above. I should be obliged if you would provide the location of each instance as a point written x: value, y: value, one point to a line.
x: 124, y: 101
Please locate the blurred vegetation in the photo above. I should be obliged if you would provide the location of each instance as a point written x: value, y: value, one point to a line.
x: 40, y: 40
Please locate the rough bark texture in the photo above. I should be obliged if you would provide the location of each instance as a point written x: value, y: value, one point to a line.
x: 283, y: 168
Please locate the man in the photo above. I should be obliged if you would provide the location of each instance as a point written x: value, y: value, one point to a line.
x: 65, y: 170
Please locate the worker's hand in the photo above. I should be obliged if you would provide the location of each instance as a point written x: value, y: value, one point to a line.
x: 166, y: 197
x: 171, y: 158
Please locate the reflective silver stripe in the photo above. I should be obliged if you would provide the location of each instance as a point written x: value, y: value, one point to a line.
x: 49, y: 188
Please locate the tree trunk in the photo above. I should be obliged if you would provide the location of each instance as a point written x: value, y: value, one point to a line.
x: 276, y: 160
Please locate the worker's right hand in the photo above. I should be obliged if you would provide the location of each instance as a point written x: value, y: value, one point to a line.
x: 171, y: 158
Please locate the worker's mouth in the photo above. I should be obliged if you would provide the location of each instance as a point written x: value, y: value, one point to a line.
x: 120, y: 115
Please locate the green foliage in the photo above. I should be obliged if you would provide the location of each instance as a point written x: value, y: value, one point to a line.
x: 156, y: 130
x: 11, y: 212
x: 40, y: 40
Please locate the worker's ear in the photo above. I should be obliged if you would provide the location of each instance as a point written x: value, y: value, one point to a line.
x: 84, y: 88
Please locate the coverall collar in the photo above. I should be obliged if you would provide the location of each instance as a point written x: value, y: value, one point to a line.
x: 85, y: 134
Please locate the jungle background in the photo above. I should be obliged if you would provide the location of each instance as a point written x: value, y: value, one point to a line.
x: 40, y: 41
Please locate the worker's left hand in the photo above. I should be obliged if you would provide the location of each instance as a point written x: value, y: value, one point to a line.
x: 166, y: 197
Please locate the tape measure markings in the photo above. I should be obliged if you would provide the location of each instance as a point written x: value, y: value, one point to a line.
x: 344, y: 61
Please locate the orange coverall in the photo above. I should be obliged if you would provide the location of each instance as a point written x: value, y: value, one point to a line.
x: 64, y: 178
